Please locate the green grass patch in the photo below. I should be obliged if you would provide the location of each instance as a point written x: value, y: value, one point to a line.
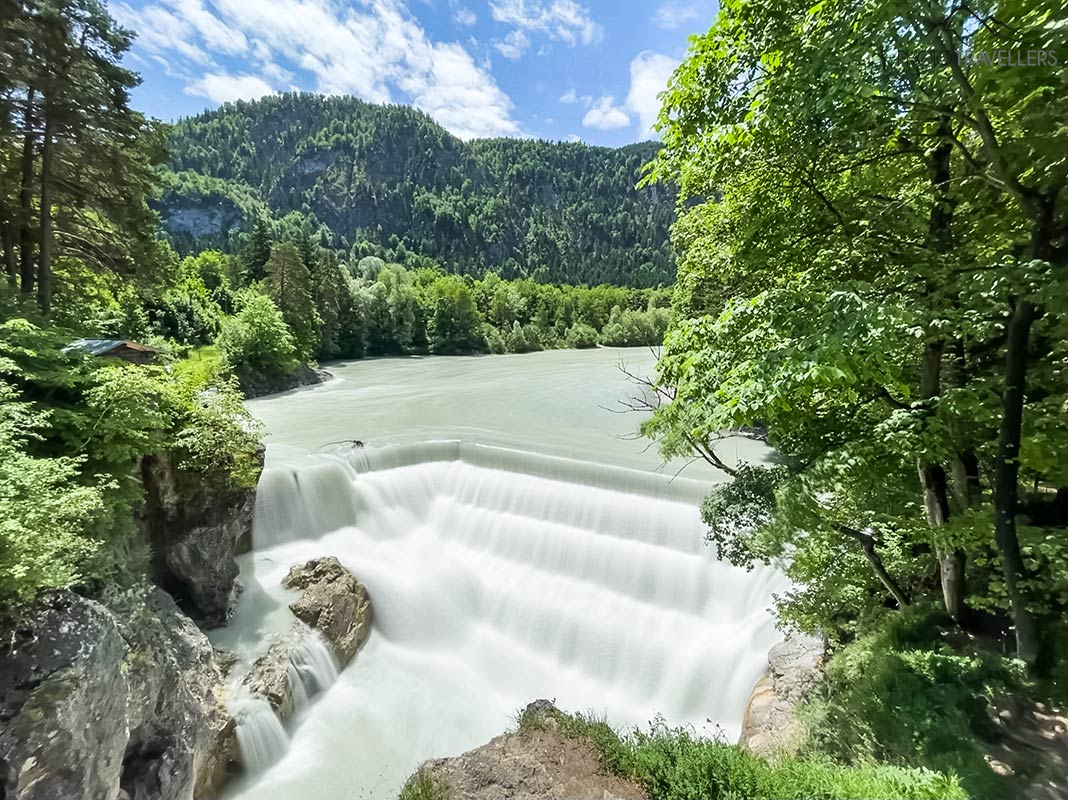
x: 424, y: 786
x: 673, y: 764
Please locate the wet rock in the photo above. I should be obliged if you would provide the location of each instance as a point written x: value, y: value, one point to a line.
x: 63, y: 694
x: 539, y: 762
x: 271, y: 675
x: 260, y: 385
x: 333, y: 603
x: 105, y: 702
x: 795, y: 667
x: 181, y: 734
x: 193, y: 524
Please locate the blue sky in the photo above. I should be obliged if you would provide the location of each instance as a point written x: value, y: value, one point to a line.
x: 555, y: 69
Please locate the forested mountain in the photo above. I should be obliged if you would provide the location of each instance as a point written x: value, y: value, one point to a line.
x: 375, y: 176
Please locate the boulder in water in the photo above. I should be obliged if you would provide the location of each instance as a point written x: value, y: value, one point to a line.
x: 333, y: 603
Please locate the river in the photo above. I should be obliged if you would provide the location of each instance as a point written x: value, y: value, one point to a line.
x: 518, y: 542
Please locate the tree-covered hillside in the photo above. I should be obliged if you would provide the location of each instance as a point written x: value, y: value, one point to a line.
x: 389, y: 175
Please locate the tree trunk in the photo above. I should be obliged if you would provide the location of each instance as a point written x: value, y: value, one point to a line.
x: 933, y: 475
x: 1006, y: 478
x: 26, y: 203
x: 7, y: 242
x: 966, y: 485
x: 936, y: 494
x: 44, y: 267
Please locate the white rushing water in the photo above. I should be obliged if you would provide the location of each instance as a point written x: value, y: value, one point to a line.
x: 512, y: 550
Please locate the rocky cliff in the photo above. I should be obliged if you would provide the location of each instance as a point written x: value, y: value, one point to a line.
x: 123, y: 701
x: 193, y: 525
x: 795, y: 667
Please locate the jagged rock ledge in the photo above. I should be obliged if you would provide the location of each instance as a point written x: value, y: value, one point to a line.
x: 795, y: 668
x: 193, y: 524
x: 259, y: 386
x: 118, y: 702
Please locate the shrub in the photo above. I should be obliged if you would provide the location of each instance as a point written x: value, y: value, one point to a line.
x: 580, y: 336
x: 256, y: 341
x: 902, y: 695
x: 44, y: 509
x: 423, y: 786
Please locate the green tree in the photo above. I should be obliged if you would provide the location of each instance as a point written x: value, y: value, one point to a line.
x: 256, y: 342
x: 289, y: 285
x: 455, y: 325
x: 257, y: 251
x: 858, y: 221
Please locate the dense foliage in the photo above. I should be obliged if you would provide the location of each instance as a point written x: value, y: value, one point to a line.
x: 873, y: 243
x: 388, y: 179
x: 83, y: 256
x: 880, y: 284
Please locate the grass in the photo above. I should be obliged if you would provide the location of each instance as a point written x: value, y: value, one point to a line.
x: 671, y: 764
x: 424, y: 786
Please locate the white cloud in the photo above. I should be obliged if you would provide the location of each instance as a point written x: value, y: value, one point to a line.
x: 216, y: 35
x: 560, y: 20
x: 674, y: 14
x: 649, y: 74
x: 513, y: 45
x: 372, y: 50
x: 220, y: 87
x: 605, y: 115
x: 574, y: 137
x: 571, y: 97
x: 464, y: 17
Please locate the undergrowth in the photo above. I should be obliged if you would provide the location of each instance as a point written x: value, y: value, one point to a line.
x: 672, y: 764
x: 911, y: 693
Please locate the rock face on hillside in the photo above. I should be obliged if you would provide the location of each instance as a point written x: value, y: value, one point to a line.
x: 109, y: 703
x: 193, y: 525
x: 795, y: 667
x: 537, y: 763
x: 333, y: 603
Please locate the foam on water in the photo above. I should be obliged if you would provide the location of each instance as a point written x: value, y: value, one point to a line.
x: 497, y: 577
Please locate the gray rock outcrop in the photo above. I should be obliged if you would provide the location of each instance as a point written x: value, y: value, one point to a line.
x: 795, y: 667
x: 101, y: 703
x: 333, y: 603
x: 272, y: 675
x: 193, y: 525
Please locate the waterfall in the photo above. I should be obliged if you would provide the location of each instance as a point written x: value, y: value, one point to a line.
x: 498, y: 576
x: 313, y: 667
x: 260, y: 736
